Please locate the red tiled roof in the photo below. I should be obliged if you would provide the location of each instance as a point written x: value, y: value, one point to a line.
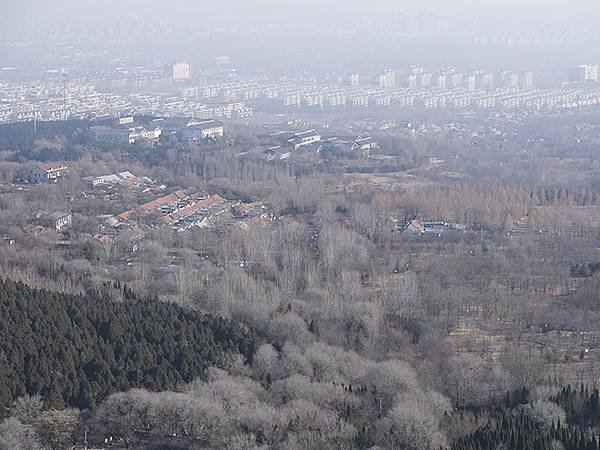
x: 51, y: 166
x: 147, y: 208
x: 160, y: 201
x: 130, y: 182
x: 416, y: 225
x: 191, y: 209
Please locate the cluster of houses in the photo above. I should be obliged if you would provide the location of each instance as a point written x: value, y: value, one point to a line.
x: 126, y: 131
x: 282, y: 144
x: 180, y: 211
x: 59, y: 221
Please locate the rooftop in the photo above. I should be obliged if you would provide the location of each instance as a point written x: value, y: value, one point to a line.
x: 147, y: 208
x: 52, y: 166
x: 207, y: 124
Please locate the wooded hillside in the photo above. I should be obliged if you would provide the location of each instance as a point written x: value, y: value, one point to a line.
x: 76, y: 350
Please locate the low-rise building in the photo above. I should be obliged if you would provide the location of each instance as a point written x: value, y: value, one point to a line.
x: 62, y: 221
x: 126, y: 132
x: 154, y: 205
x: 48, y: 171
x: 415, y: 226
x: 365, y: 143
x: 207, y: 129
x: 125, y: 179
x: 305, y: 138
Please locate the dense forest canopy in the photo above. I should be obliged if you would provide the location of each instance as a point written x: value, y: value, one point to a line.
x: 76, y: 350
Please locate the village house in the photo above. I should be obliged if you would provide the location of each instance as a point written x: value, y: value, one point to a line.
x: 48, y: 172
x: 61, y: 221
x: 150, y: 207
x: 415, y: 226
x: 191, y: 209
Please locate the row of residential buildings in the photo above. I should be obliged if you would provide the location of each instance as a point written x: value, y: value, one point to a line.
x: 181, y: 210
x: 237, y: 97
x: 56, y: 100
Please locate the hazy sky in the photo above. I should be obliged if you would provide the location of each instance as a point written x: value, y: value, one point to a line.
x: 502, y: 13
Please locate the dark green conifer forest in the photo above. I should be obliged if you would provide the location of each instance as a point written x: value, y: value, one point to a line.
x: 76, y: 350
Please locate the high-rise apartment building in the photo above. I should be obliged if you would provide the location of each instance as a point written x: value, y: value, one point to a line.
x: 471, y: 82
x: 526, y: 79
x: 583, y: 73
x: 387, y: 80
x: 182, y: 71
x: 510, y: 79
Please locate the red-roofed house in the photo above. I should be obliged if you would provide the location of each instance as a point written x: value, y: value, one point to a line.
x: 415, y: 226
x: 48, y: 171
x: 149, y: 207
x: 187, y: 211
